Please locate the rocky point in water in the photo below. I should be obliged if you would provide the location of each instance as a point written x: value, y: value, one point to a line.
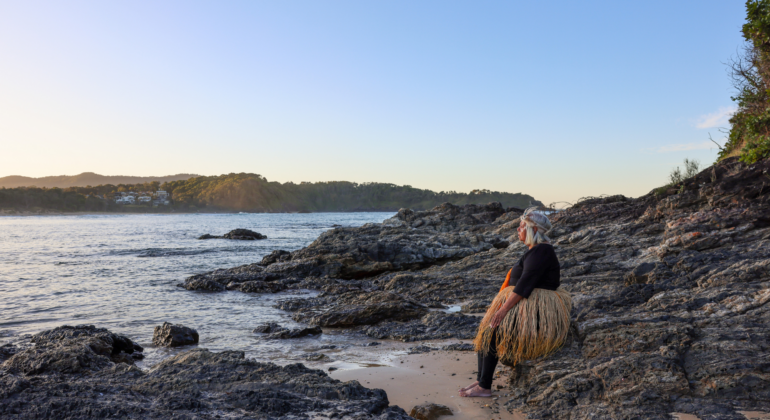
x: 670, y: 293
x: 238, y: 234
x: 85, y: 372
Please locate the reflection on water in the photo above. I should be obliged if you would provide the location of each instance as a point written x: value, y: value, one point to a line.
x: 120, y: 272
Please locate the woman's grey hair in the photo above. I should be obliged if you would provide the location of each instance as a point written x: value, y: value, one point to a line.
x: 533, y: 218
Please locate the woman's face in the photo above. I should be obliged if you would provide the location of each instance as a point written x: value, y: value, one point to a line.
x: 522, y: 231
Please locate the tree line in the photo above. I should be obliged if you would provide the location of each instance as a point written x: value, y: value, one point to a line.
x: 749, y: 132
x: 253, y: 193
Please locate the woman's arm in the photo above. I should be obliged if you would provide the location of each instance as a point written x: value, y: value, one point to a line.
x: 497, y: 318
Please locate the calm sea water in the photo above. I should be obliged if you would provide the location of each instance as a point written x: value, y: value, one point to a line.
x: 120, y: 272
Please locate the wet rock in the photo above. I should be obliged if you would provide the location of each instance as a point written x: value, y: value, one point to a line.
x: 244, y: 234
x: 202, y: 284
x: 458, y: 347
x: 67, y: 349
x: 6, y: 351
x: 430, y: 411
x: 419, y: 349
x: 257, y: 286
x: 237, y: 234
x: 192, y: 384
x: 317, y: 357
x: 276, y: 256
x: 476, y: 306
x: 268, y: 328
x: 170, y: 335
x: 250, y: 278
x: 294, y: 333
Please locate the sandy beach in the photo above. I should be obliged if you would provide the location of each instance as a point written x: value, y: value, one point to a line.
x: 435, y: 377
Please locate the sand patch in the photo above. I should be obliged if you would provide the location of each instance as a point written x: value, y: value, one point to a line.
x: 428, y: 377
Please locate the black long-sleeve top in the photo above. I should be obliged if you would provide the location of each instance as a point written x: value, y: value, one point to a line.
x: 538, y: 268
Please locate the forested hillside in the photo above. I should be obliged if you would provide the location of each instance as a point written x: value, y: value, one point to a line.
x: 86, y: 178
x: 252, y: 193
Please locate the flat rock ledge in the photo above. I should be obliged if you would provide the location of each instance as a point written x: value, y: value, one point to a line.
x: 71, y: 373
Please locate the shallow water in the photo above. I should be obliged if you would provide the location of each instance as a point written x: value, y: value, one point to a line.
x: 120, y: 272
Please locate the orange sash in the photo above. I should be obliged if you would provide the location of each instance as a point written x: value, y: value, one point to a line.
x: 507, y: 279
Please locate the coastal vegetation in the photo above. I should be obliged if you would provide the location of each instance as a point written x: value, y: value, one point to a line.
x: 250, y: 193
x: 86, y: 178
x: 749, y: 133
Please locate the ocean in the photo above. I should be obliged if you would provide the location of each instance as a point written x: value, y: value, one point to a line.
x: 121, y: 272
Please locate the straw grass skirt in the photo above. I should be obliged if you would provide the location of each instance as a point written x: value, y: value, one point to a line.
x: 535, y: 327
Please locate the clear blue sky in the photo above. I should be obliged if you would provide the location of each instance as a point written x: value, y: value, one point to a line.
x: 557, y: 99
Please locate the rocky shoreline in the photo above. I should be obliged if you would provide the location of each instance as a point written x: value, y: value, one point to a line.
x: 671, y: 313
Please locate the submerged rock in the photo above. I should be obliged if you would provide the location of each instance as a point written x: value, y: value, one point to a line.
x: 170, y: 335
x: 192, y: 384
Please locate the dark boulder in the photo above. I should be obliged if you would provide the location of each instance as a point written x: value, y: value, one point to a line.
x: 430, y: 411
x: 237, y: 234
x: 67, y: 349
x: 170, y: 335
x: 243, y: 235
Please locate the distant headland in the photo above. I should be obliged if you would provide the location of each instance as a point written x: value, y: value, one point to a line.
x: 84, y: 179
x: 242, y: 192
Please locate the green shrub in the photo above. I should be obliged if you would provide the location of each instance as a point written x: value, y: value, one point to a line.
x: 691, y: 168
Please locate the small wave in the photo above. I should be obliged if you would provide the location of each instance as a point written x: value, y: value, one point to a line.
x: 159, y: 252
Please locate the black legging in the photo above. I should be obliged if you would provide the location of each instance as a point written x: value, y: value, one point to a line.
x: 487, y: 363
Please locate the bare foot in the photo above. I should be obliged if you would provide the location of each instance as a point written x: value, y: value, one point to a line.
x: 476, y: 391
x: 468, y: 388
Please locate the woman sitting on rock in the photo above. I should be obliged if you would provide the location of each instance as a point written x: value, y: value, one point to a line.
x: 530, y: 317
